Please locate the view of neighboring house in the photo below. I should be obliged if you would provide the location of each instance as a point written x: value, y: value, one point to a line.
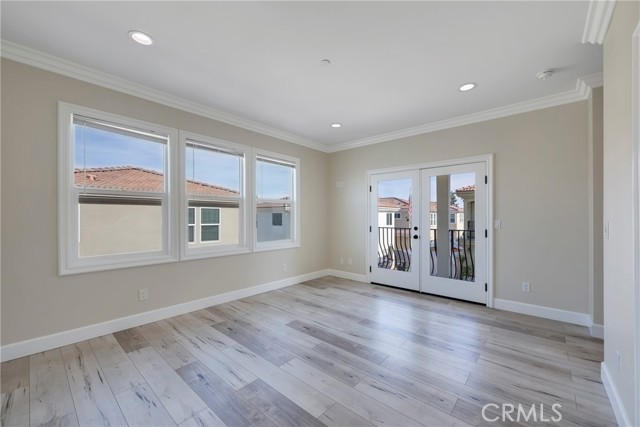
x: 127, y: 224
x: 273, y: 220
x: 394, y: 212
x: 468, y: 194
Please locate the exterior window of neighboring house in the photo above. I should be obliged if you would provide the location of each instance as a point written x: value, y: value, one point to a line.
x: 214, y: 193
x: 276, y: 201
x: 191, y: 225
x: 114, y: 192
x: 433, y: 219
x: 389, y: 219
x: 276, y: 219
x: 452, y: 218
x: 209, y: 224
x: 397, y: 215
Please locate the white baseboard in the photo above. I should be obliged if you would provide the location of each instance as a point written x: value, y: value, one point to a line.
x: 597, y: 331
x: 614, y: 397
x: 48, y: 342
x: 576, y: 318
x: 347, y: 275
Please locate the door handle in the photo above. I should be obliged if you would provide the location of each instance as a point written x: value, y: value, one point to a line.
x: 415, y: 236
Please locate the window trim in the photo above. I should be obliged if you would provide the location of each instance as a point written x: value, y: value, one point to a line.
x: 174, y: 199
x: 69, y: 262
x: 294, y: 241
x: 188, y: 252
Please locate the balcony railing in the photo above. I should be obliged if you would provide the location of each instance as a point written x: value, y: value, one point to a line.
x: 394, y: 251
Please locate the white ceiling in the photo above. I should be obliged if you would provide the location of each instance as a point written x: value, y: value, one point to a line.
x: 394, y: 65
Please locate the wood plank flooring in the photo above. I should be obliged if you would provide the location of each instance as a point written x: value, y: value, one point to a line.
x: 328, y: 352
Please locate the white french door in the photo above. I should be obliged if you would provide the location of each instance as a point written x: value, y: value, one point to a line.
x: 429, y: 230
x: 455, y: 253
x: 394, y: 252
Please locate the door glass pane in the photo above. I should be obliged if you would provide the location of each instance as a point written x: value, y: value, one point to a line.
x: 394, y: 224
x: 452, y: 227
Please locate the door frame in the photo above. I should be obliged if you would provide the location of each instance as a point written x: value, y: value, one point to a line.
x: 488, y: 160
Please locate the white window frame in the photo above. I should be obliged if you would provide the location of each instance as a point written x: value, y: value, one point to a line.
x: 69, y: 261
x: 389, y: 219
x: 294, y: 241
x: 209, y: 251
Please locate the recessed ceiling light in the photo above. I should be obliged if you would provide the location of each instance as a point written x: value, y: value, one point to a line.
x: 467, y: 86
x: 336, y: 125
x: 546, y: 74
x: 140, y: 37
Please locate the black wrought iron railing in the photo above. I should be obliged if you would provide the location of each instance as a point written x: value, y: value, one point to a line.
x: 461, y: 247
x: 394, y: 248
x: 394, y: 251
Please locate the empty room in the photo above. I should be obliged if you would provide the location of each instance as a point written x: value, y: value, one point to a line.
x: 320, y: 213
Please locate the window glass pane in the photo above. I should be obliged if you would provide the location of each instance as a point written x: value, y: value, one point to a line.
x: 212, y: 172
x: 274, y: 179
x: 119, y: 226
x: 192, y: 215
x: 267, y: 230
x: 276, y: 218
x: 210, y: 233
x: 210, y: 216
x: 118, y: 161
x: 192, y: 233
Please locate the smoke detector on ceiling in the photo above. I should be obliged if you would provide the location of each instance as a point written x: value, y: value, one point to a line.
x: 546, y: 74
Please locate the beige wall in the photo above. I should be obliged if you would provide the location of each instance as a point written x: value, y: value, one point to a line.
x: 596, y: 115
x: 541, y: 173
x: 35, y: 300
x: 619, y: 310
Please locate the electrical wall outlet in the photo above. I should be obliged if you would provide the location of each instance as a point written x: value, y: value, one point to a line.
x: 284, y: 266
x: 341, y: 260
x: 618, y: 362
x: 143, y: 294
x: 350, y: 261
x: 526, y: 287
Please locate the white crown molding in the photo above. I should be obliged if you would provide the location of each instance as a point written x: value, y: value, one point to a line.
x: 593, y: 80
x: 580, y: 93
x: 598, y: 20
x: 57, y: 65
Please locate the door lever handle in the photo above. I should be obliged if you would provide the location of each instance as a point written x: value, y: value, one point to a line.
x: 415, y: 236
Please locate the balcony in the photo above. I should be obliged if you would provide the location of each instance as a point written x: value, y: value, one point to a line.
x: 394, y: 251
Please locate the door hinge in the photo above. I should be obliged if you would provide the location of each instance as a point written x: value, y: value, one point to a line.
x: 370, y: 189
x: 486, y: 233
x: 369, y: 229
x: 486, y: 179
x: 485, y: 287
x: 369, y: 269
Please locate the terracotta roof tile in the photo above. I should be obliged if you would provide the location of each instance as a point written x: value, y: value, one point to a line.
x: 467, y: 188
x: 133, y: 178
x: 392, y: 202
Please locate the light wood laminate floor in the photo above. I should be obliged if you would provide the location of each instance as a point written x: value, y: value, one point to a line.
x: 325, y: 352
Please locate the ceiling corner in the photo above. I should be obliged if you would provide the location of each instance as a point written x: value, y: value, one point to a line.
x: 598, y: 20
